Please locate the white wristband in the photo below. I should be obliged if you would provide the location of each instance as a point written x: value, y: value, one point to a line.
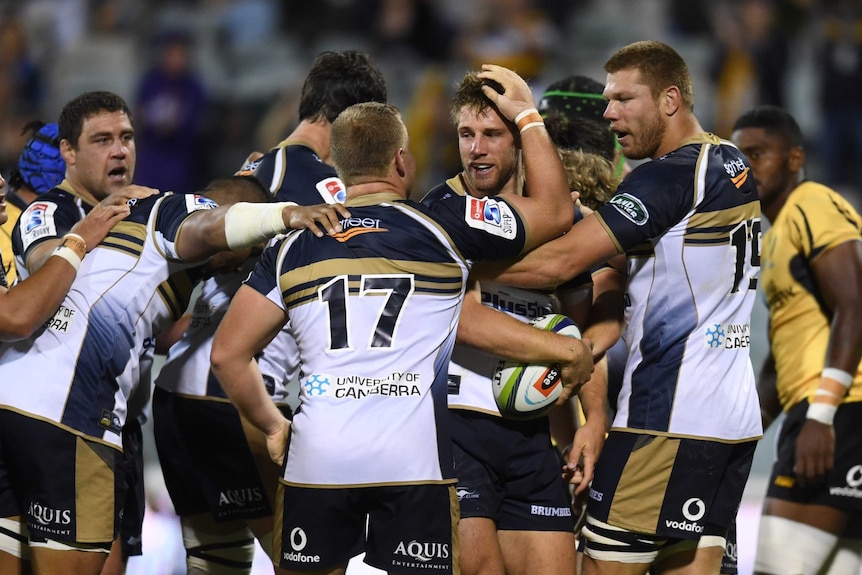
x: 822, y: 412
x: 69, y: 255
x: 247, y: 224
x: 827, y: 393
x: 531, y: 125
x: 839, y: 375
x: 526, y: 112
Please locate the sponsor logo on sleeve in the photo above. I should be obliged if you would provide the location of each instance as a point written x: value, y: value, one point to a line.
x: 631, y: 207
x: 195, y: 202
x: 37, y: 222
x: 333, y: 190
x: 491, y: 216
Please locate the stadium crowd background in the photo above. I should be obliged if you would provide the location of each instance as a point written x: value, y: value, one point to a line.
x: 247, y: 58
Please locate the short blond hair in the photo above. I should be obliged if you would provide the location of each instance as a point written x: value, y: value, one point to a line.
x: 364, y: 140
x: 660, y: 67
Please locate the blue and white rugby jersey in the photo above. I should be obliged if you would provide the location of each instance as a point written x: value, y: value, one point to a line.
x: 186, y: 370
x: 294, y: 173
x: 374, y: 311
x: 689, y: 223
x: 48, y: 217
x: 80, y: 369
x: 471, y: 371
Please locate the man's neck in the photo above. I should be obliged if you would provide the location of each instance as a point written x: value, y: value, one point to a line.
x: 83, y: 192
x: 315, y: 135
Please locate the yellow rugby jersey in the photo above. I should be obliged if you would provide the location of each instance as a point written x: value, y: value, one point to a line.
x: 814, y: 220
x: 6, y: 253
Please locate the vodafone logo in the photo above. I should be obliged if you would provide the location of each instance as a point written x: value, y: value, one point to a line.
x: 854, y: 476
x: 298, y: 539
x: 693, y: 509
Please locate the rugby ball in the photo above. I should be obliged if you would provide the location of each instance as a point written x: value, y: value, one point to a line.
x: 528, y: 390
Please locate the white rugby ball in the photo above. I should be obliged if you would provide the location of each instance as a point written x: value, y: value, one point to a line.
x: 528, y: 390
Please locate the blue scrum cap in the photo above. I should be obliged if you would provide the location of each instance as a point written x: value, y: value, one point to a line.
x: 40, y: 163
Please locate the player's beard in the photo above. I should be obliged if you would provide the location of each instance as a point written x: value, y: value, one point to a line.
x: 647, y: 144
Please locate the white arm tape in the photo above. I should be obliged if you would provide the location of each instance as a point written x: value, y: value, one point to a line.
x: 822, y: 412
x: 839, y: 375
x: 247, y: 224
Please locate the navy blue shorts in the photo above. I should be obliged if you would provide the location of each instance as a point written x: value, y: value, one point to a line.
x: 509, y: 471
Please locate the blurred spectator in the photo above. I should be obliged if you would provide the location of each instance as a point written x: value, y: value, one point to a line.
x: 21, y: 90
x: 840, y: 65
x: 510, y: 33
x: 414, y: 26
x: 752, y: 59
x: 170, y: 113
x: 250, y: 22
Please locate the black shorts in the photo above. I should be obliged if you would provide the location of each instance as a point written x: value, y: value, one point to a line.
x: 65, y: 485
x: 210, y: 461
x: 843, y: 486
x: 509, y: 471
x: 411, y: 528
x: 131, y: 475
x: 671, y: 487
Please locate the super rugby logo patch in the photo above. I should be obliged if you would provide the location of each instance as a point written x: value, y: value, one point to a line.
x: 631, y: 207
x: 332, y: 190
x: 37, y: 222
x: 492, y: 216
x: 195, y: 202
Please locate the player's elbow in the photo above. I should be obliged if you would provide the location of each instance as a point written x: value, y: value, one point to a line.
x: 221, y: 357
x: 560, y: 221
x: 14, y: 326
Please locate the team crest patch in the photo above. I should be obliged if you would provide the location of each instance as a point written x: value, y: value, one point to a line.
x: 332, y: 190
x: 37, y: 222
x: 110, y: 421
x: 631, y: 207
x: 195, y: 202
x: 492, y: 216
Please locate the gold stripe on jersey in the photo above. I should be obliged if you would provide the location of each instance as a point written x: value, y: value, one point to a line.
x: 724, y: 217
x: 176, y: 292
x: 62, y: 426
x: 684, y: 435
x: 350, y: 485
x: 127, y: 237
x: 643, y: 250
x: 296, y: 289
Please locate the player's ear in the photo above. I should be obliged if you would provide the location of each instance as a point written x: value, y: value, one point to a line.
x: 796, y: 159
x: 67, y: 151
x: 400, y: 165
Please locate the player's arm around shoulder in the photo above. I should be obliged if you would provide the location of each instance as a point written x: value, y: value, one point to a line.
x: 245, y: 224
x: 29, y: 304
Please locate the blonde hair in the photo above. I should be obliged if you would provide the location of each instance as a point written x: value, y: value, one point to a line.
x: 364, y: 139
x: 590, y: 175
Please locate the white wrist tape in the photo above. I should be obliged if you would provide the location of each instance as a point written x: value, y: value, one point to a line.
x: 839, y: 375
x: 247, y: 224
x: 69, y: 255
x: 822, y: 412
